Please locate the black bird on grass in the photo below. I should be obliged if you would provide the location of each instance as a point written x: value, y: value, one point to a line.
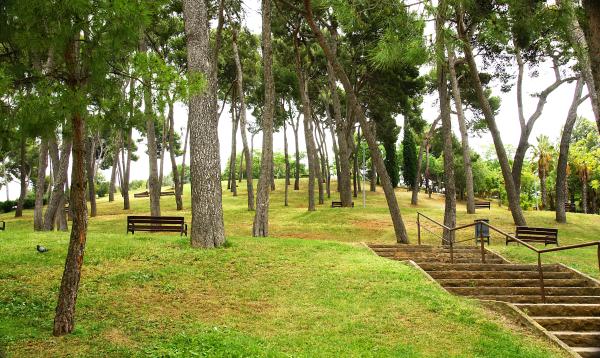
x: 41, y: 249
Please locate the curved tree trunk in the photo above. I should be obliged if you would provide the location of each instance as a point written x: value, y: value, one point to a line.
x: 64, y: 320
x: 592, y: 12
x: 399, y: 228
x: 260, y: 227
x: 38, y: 218
x: 208, y: 230
x: 563, y: 156
x: 242, y: 103
x: 174, y: 172
x: 511, y: 190
x: 463, y: 133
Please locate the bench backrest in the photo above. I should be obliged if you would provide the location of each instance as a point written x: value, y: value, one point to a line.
x: 164, y: 220
x: 535, y: 233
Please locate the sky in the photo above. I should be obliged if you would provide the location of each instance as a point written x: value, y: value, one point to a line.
x: 550, y: 123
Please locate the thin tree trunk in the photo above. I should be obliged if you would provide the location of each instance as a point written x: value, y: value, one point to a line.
x: 208, y: 230
x: 38, y: 218
x: 64, y: 320
x: 463, y: 132
x: 61, y: 166
x: 399, y: 228
x: 424, y: 147
x: 113, y: 174
x: 511, y: 190
x: 584, y: 192
x: 247, y: 155
x: 318, y: 161
x: 185, y: 146
x: 543, y: 190
x: 22, y: 176
x: 260, y: 226
x: 563, y: 156
x: 373, y: 178
x: 308, y: 137
x: 297, y: 148
x: 233, y: 157
x: 127, y: 170
x: 90, y: 165
x: 287, y: 164
x: 162, y: 153
x: 174, y: 172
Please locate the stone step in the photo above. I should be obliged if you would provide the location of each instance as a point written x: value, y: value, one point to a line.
x: 498, y: 274
x: 488, y: 267
x: 574, y: 323
x: 377, y: 247
x: 579, y: 339
x: 549, y: 291
x: 588, y: 352
x: 538, y: 299
x: 560, y: 310
x: 447, y: 260
x: 500, y: 282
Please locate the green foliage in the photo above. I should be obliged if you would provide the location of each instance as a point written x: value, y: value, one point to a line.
x: 409, y: 155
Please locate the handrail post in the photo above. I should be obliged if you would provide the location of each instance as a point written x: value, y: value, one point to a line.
x: 451, y: 252
x: 541, y: 277
x: 419, y: 228
x: 598, y: 250
x: 482, y: 246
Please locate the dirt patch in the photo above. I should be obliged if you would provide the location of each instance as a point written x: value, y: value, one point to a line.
x: 117, y: 337
x: 378, y: 225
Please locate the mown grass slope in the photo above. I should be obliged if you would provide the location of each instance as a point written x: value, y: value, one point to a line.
x: 309, y: 290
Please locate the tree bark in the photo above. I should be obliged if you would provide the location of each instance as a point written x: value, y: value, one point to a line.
x: 543, y: 189
x: 242, y: 103
x: 563, y: 156
x: 463, y: 132
x: 442, y: 83
x: 208, y: 229
x: 287, y: 164
x: 38, y: 218
x: 260, y: 227
x: 424, y: 148
x: 233, y: 157
x: 64, y: 320
x: 113, y: 174
x: 126, y: 170
x: 23, y: 175
x: 511, y: 189
x: 399, y: 228
x: 295, y: 127
x: 592, y: 12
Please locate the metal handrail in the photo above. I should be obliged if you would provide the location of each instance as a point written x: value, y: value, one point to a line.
x: 539, y: 252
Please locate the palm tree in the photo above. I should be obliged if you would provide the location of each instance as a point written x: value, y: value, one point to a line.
x: 543, y: 154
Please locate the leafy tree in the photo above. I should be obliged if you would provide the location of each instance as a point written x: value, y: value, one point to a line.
x: 409, y: 156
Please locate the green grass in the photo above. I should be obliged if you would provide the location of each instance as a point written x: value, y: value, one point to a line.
x: 311, y: 289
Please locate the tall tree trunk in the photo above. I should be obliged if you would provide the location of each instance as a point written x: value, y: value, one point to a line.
x: 90, y: 166
x: 22, y: 176
x: 584, y: 192
x: 341, y: 127
x: 261, y: 219
x: 162, y: 154
x: 153, y: 181
x: 336, y: 152
x: 64, y: 320
x: 464, y: 135
x: 242, y: 103
x: 38, y: 218
x: 592, y: 12
x: 287, y: 164
x: 511, y: 190
x: 308, y: 137
x: 185, y: 145
x: 318, y: 155
x: 442, y: 84
x: 233, y: 157
x: 295, y: 127
x: 563, y: 156
x: 174, y: 172
x: 208, y: 230
x: 54, y: 209
x: 399, y: 228
x: 126, y: 169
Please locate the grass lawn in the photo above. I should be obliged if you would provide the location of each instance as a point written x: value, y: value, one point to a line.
x: 312, y: 289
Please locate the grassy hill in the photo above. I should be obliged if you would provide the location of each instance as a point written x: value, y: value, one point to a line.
x: 312, y: 289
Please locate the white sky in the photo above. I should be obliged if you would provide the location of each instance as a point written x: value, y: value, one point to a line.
x: 550, y: 123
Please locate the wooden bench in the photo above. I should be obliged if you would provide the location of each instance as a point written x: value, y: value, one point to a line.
x: 483, y: 204
x: 146, y: 194
x: 2, y: 225
x: 570, y: 207
x: 157, y: 224
x: 338, y: 204
x: 535, y: 234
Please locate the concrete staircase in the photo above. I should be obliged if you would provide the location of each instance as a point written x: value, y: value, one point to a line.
x: 570, y: 314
